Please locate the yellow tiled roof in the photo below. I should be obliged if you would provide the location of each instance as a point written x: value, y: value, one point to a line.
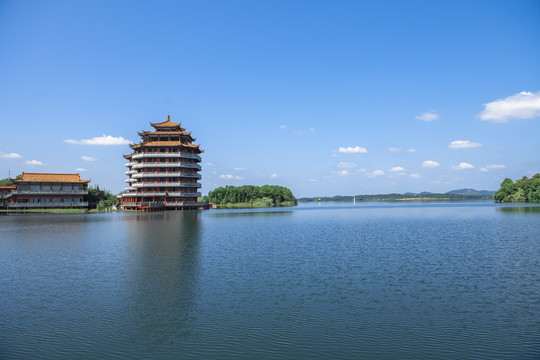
x: 164, y: 143
x: 42, y: 177
x: 167, y: 123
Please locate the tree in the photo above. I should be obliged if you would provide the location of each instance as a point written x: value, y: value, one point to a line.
x: 507, y: 188
x: 522, y: 191
x: 6, y: 182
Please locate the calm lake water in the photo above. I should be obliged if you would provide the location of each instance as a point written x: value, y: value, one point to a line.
x: 377, y: 280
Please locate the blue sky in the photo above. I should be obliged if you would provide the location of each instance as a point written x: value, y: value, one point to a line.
x: 324, y: 97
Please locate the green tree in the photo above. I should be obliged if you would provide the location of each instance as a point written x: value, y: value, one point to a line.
x: 6, y: 182
x: 507, y: 188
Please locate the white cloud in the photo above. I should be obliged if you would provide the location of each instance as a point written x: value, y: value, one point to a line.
x: 343, y: 172
x: 239, y: 169
x: 346, y: 165
x: 225, y: 176
x: 376, y: 173
x: 411, y: 150
x: 10, y: 155
x: 415, y: 176
x: 430, y: 164
x: 492, y: 167
x: 282, y: 126
x: 80, y: 169
x: 496, y: 166
x: 463, y: 166
x: 311, y: 129
x: 239, y: 178
x: 311, y: 180
x: 34, y: 163
x: 428, y: 116
x: 352, y: 150
x: 274, y: 176
x: 463, y: 144
x: 88, y: 158
x: 525, y: 105
x: 209, y: 164
x: 396, y: 169
x: 394, y: 149
x: 334, y: 155
x: 101, y: 140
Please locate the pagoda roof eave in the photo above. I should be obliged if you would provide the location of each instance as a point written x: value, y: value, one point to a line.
x: 180, y: 132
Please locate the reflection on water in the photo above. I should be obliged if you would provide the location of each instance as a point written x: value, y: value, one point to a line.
x: 228, y: 213
x: 519, y: 209
x: 163, y: 251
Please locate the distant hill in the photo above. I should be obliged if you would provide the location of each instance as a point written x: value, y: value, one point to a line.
x: 471, y: 192
x: 423, y: 196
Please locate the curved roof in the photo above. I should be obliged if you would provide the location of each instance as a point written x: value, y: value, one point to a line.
x: 43, y: 177
x: 164, y: 143
x: 167, y: 123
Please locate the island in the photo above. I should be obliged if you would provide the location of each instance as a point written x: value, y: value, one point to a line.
x: 251, y: 196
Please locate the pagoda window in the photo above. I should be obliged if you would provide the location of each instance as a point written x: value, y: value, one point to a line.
x: 45, y: 200
x: 56, y: 187
x: 34, y: 200
x: 34, y: 187
x: 23, y: 187
x: 77, y: 187
x: 56, y: 200
x: 22, y: 200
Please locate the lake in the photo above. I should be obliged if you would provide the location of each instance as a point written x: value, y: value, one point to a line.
x: 403, y: 280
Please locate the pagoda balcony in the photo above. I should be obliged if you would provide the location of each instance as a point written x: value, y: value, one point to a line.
x: 166, y: 184
x: 48, y: 205
x: 130, y: 180
x: 166, y: 155
x: 131, y: 163
x: 170, y: 174
x: 129, y: 188
x: 130, y: 172
x: 168, y: 194
x: 160, y: 165
x: 50, y: 192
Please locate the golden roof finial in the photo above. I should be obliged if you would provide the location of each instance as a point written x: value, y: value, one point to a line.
x: 168, y: 117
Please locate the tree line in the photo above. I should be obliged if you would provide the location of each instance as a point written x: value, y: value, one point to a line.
x: 524, y: 190
x: 251, y: 195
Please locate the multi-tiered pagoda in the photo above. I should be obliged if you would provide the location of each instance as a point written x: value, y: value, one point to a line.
x: 163, y: 170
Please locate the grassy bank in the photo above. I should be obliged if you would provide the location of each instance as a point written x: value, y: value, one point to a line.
x: 58, y: 211
x: 46, y: 211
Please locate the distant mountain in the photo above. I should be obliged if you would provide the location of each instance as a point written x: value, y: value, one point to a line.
x: 425, y: 193
x: 471, y: 192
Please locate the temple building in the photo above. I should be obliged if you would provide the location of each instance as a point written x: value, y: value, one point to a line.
x: 41, y: 190
x: 163, y: 170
